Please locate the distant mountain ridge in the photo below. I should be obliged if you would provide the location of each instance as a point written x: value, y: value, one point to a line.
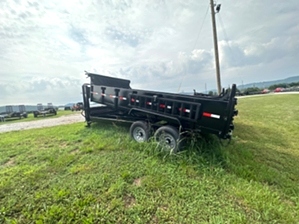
x: 266, y: 84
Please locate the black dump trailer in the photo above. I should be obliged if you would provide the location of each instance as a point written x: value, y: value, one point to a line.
x: 167, y: 115
x: 41, y: 111
x: 11, y: 114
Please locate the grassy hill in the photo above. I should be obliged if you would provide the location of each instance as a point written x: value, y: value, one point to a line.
x: 72, y: 174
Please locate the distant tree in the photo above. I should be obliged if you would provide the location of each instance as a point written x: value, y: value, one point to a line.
x: 294, y: 84
x: 279, y: 85
x: 252, y: 90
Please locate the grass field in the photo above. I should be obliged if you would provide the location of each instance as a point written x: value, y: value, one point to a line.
x: 32, y: 118
x: 73, y: 174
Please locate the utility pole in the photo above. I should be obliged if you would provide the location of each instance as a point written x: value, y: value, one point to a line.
x: 216, y: 44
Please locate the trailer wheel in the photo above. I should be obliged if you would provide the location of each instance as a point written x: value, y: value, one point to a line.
x: 35, y: 114
x: 140, y: 131
x: 169, y: 138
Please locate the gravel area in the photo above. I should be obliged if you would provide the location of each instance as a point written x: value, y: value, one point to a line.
x: 68, y: 119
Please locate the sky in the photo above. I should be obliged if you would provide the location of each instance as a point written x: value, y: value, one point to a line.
x: 161, y: 45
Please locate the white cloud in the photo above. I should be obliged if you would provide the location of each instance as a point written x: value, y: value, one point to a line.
x: 46, y: 45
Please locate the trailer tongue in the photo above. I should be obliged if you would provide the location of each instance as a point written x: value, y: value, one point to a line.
x: 167, y: 115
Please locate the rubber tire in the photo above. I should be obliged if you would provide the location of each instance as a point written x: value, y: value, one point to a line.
x: 142, y: 128
x: 171, y: 135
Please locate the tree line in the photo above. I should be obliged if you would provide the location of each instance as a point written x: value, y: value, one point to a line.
x: 283, y: 85
x: 257, y: 90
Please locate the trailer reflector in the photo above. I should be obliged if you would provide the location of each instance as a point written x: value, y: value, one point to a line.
x: 205, y: 114
x: 184, y: 110
x: 120, y: 97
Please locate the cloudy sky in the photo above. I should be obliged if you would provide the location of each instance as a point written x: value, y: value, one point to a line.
x: 163, y: 45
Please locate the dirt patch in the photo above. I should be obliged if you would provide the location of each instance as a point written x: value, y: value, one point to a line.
x: 137, y: 182
x: 75, y: 151
x: 10, y: 162
x: 129, y: 201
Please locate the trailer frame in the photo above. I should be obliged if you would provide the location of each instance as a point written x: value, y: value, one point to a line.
x: 41, y: 111
x: 158, y: 112
x: 11, y: 114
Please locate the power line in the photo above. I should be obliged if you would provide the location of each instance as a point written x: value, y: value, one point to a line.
x: 201, y: 27
x: 225, y: 35
x: 227, y: 41
x: 194, y: 45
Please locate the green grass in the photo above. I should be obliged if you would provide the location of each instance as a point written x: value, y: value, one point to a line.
x: 32, y: 118
x: 73, y: 174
